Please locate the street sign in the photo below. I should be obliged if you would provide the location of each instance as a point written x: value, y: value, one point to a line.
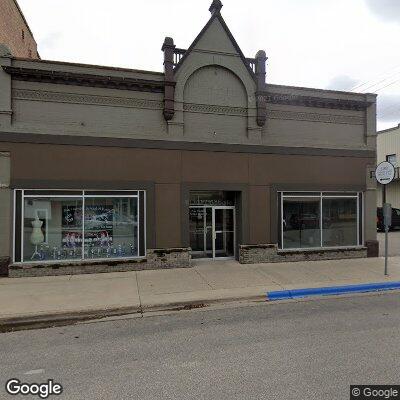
x: 384, y: 173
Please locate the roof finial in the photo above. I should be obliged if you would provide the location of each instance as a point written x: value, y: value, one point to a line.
x: 215, y: 7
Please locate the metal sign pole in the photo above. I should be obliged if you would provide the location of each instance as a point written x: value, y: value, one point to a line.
x: 383, y: 194
x: 386, y: 228
x: 386, y: 249
x: 386, y: 222
x: 384, y: 174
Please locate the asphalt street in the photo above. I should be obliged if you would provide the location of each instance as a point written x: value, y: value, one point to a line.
x: 294, y: 350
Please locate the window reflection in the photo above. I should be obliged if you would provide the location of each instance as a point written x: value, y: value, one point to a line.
x: 340, y: 222
x: 301, y: 220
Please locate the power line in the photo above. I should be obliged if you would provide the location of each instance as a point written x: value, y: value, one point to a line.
x: 377, y: 77
x: 389, y: 84
x: 377, y: 83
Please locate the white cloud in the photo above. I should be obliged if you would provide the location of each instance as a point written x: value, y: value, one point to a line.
x: 388, y: 109
x: 388, y: 10
x: 342, y: 82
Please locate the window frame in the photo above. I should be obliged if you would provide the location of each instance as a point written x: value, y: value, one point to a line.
x: 358, y: 196
x: 392, y: 155
x: 19, y: 197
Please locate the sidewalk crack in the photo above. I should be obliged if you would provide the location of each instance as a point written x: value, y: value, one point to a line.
x: 204, y: 279
x: 138, y: 291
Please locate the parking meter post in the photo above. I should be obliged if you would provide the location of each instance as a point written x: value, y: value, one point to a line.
x: 386, y: 249
x: 387, y: 220
x: 383, y: 194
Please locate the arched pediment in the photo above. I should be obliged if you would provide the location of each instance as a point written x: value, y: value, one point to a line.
x: 215, y: 46
x: 215, y: 85
x: 214, y: 73
x: 214, y: 106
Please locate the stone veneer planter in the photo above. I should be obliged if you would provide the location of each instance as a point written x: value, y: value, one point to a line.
x: 269, y: 253
x: 156, y: 259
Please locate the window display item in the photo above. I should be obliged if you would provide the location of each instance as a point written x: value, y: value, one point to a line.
x: 37, y: 236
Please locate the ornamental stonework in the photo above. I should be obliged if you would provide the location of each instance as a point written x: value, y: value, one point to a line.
x: 315, y: 117
x: 214, y: 109
x: 39, y: 95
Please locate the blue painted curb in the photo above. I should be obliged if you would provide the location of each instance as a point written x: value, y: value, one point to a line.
x: 331, y: 290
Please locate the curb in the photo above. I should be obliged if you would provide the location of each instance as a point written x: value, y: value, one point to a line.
x: 71, y: 317
x: 10, y: 324
x: 331, y: 290
x: 59, y: 319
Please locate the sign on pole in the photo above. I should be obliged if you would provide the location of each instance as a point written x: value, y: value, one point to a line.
x: 384, y: 173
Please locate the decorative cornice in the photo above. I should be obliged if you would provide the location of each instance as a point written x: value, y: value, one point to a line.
x: 39, y: 95
x: 73, y: 98
x: 79, y: 79
x: 19, y: 137
x: 318, y: 102
x: 214, y: 109
x: 315, y: 117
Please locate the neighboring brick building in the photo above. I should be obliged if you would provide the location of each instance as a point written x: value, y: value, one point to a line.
x: 15, y: 32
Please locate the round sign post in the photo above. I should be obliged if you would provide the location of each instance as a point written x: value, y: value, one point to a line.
x: 384, y: 174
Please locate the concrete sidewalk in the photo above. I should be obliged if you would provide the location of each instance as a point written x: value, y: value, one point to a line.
x: 207, y: 282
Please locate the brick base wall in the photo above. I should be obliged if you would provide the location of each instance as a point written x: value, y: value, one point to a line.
x: 156, y: 259
x: 4, y: 262
x: 169, y: 258
x: 253, y: 254
x: 372, y: 248
x: 269, y: 253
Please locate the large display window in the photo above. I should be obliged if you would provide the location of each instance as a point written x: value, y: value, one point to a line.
x: 78, y: 225
x: 320, y: 220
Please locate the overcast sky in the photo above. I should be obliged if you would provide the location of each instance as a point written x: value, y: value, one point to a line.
x: 336, y: 44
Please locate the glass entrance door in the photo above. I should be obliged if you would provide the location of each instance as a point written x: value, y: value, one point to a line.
x: 224, y: 232
x: 212, y: 231
x: 200, y: 229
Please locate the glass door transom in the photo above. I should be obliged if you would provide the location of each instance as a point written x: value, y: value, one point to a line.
x: 212, y: 231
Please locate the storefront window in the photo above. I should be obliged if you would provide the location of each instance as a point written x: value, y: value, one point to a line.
x: 52, y: 229
x: 111, y: 227
x: 301, y: 223
x: 62, y: 227
x: 320, y: 220
x: 340, y: 222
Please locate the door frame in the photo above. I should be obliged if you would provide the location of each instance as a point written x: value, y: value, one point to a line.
x: 214, y: 232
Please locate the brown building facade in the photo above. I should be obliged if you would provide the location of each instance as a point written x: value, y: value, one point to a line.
x: 15, y: 32
x: 112, y: 169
